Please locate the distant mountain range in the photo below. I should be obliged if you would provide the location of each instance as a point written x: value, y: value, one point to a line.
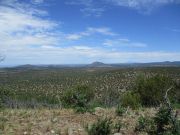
x: 100, y: 65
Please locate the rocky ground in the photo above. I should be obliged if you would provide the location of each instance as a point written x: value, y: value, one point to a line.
x: 63, y: 121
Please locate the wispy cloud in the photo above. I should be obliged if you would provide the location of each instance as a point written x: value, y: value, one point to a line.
x: 123, y: 42
x: 97, y: 7
x: 21, y: 24
x: 91, y: 11
x: 175, y: 30
x: 143, y: 6
x: 90, y: 31
x: 37, y: 1
x: 88, y: 7
x: 80, y: 2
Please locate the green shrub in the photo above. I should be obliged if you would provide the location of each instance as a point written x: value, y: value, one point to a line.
x: 78, y: 98
x: 152, y: 89
x: 102, y: 127
x: 120, y: 110
x: 130, y: 99
x: 145, y: 124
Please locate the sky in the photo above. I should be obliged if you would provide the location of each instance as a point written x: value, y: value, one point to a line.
x: 84, y: 31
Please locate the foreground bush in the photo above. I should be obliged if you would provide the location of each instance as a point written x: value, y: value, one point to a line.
x: 78, y: 98
x: 164, y: 122
x: 130, y: 99
x: 152, y: 89
x: 161, y: 124
x: 102, y: 127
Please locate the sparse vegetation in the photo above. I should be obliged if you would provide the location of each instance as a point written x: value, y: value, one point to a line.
x: 114, y: 91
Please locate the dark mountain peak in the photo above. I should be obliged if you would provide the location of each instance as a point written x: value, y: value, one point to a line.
x: 97, y: 63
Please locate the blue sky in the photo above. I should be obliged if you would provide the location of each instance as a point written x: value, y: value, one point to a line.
x: 83, y: 31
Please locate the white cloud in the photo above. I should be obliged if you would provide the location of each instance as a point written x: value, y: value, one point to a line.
x: 123, y: 42
x: 90, y: 31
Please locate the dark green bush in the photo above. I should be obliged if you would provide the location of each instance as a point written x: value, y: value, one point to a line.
x: 78, y: 98
x: 102, y: 127
x: 130, y: 99
x: 152, y: 89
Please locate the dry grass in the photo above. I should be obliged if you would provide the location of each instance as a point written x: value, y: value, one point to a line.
x: 61, y: 121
